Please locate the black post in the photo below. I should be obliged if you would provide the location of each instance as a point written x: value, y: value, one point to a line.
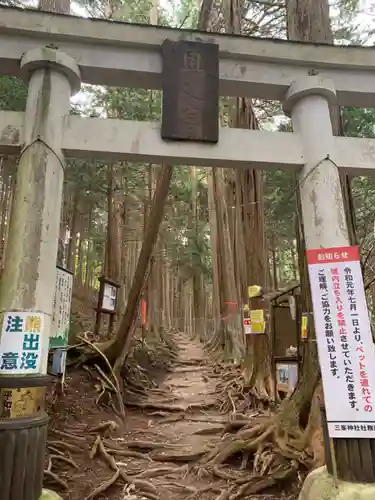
x: 23, y: 436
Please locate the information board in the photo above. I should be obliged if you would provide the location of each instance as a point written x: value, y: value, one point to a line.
x: 345, y: 345
x: 282, y: 377
x: 286, y: 376
x: 61, y: 308
x: 109, y: 297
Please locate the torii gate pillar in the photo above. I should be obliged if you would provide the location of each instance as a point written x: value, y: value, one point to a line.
x: 308, y: 101
x: 28, y: 282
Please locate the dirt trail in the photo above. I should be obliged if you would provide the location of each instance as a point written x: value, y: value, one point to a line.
x: 185, y: 433
x: 155, y: 454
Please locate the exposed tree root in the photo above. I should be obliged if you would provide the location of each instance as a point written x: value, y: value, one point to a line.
x: 104, y: 486
x: 57, y: 479
x: 127, y: 453
x: 104, y: 428
x: 208, y: 419
x: 198, y: 494
x: 238, y: 392
x: 159, y: 471
x: 115, y: 385
x: 55, y: 450
x: 67, y: 460
x: 167, y: 407
x: 209, y: 430
x: 63, y: 444
x: 256, y: 485
x: 68, y: 435
x: 274, y: 453
x: 177, y: 456
x: 149, y: 445
x: 180, y: 486
x: 52, y: 475
x: 225, y: 495
x: 144, y: 486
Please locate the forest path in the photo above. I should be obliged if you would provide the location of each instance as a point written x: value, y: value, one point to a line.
x: 179, y: 422
x: 157, y: 447
x: 156, y: 452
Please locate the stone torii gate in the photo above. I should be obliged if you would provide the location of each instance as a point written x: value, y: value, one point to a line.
x: 55, y: 54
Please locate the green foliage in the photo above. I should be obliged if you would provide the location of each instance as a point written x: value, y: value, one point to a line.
x: 12, y: 3
x: 13, y: 94
x: 360, y: 122
x: 187, y: 238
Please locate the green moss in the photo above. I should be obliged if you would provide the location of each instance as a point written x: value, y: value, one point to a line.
x: 320, y: 485
x: 49, y: 495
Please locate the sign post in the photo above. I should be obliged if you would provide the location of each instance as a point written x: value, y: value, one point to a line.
x: 107, y: 302
x: 345, y: 344
x: 246, y: 320
x: 59, y: 336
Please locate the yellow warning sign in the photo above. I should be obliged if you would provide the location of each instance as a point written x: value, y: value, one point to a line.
x: 304, y: 324
x: 257, y: 321
x: 254, y: 291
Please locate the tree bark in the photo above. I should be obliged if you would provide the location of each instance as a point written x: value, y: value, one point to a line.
x: 72, y: 247
x: 249, y: 236
x: 116, y: 349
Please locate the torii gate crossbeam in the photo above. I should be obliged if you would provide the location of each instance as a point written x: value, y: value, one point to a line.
x: 128, y: 55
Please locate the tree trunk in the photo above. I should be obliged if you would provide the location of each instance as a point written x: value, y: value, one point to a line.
x: 274, y: 265
x: 88, y: 250
x: 250, y: 230
x: 116, y: 349
x: 72, y: 248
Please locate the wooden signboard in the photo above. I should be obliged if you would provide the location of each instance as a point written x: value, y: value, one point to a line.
x: 108, y: 292
x: 107, y: 301
x: 190, y: 82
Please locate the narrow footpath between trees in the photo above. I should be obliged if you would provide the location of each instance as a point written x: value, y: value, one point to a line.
x: 159, y: 452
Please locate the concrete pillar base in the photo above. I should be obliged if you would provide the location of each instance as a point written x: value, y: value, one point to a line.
x: 50, y: 495
x: 320, y: 485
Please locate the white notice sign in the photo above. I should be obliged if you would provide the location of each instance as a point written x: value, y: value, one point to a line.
x: 109, y: 297
x: 61, y: 308
x: 345, y: 345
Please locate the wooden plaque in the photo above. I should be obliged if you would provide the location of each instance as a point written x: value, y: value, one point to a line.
x: 190, y: 91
